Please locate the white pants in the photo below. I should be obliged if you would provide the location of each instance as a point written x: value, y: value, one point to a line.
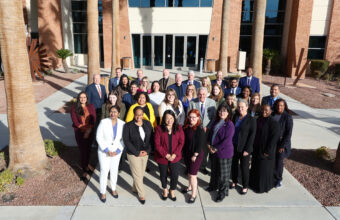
x: 108, y: 164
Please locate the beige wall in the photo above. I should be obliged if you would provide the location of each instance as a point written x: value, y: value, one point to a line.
x: 320, y: 17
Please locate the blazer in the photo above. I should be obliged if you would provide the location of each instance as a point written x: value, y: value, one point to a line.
x: 267, y: 100
x: 196, y: 83
x: 223, y: 83
x: 227, y: 91
x: 93, y: 95
x: 254, y: 83
x: 128, y: 100
x: 113, y: 83
x: 161, y: 83
x: 152, y: 119
x: 266, y: 139
x: 198, y: 141
x: 286, y: 128
x: 223, y: 140
x: 184, y: 88
x: 132, y: 140
x: 210, y: 110
x: 162, y: 145
x: 76, y: 119
x: 180, y: 117
x: 246, y: 134
x: 104, y: 136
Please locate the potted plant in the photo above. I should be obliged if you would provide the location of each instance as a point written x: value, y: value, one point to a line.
x: 268, y: 54
x: 63, y: 54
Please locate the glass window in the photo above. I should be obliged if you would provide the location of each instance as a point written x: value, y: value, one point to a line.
x: 79, y: 16
x: 202, y: 46
x: 134, y: 3
x: 80, y: 43
x: 169, y: 3
x: 79, y: 28
x: 245, y: 43
x: 146, y: 50
x: 316, y: 48
x: 272, y: 43
x: 247, y: 17
x: 273, y: 30
x: 136, y: 49
x: 206, y: 3
x: 274, y: 17
x: 186, y: 3
x: 81, y: 6
x: 317, y: 54
x: 146, y: 3
x: 246, y: 29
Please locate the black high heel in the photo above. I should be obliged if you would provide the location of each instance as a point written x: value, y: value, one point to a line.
x: 192, y: 200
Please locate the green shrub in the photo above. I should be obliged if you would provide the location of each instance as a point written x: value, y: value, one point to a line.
x: 64, y: 53
x: 19, y: 181
x: 276, y: 66
x: 269, y: 54
x: 53, y: 148
x: 318, y: 65
x: 323, y: 152
x: 6, y: 178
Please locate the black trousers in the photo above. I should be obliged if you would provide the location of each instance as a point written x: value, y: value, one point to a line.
x: 243, y: 162
x: 174, y: 172
x: 220, y: 173
x: 278, y: 167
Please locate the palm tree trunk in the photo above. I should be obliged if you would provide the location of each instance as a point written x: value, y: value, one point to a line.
x: 257, y: 39
x: 26, y: 147
x: 92, y: 39
x: 115, y: 59
x: 224, y: 38
x: 336, y: 165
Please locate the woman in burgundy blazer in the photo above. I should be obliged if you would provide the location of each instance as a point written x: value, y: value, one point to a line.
x: 83, y: 116
x: 169, y: 141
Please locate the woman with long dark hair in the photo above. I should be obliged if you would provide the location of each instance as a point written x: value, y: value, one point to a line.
x: 123, y: 87
x: 169, y: 141
x: 113, y: 100
x: 83, y: 116
x: 221, y: 151
x: 171, y: 102
x: 195, y: 141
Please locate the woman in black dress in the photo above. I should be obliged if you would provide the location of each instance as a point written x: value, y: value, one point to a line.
x: 263, y: 160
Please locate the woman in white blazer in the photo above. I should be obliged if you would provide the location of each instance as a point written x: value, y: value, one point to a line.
x: 171, y: 102
x: 111, y: 146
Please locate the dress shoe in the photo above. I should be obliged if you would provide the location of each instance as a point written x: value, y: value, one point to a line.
x: 172, y: 198
x: 232, y: 186
x: 103, y: 200
x: 186, y: 190
x: 192, y: 200
x: 278, y: 185
x: 142, y: 201
x: 115, y: 195
x: 244, y: 192
x: 220, y: 198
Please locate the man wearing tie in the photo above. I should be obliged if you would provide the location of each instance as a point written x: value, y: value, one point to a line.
x: 274, y: 95
x: 250, y: 80
x: 191, y: 80
x: 114, y: 82
x: 233, y: 88
x: 207, y: 109
x: 179, y: 87
x: 219, y: 80
x: 96, y: 95
x: 140, y: 76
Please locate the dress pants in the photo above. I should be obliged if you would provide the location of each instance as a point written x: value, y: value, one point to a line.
x: 244, y: 164
x: 137, y: 167
x: 220, y: 174
x: 84, y: 146
x: 174, y: 172
x: 278, y: 168
x: 108, y: 164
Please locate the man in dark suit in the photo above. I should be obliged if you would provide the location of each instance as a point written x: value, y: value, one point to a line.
x: 274, y: 95
x: 128, y: 98
x: 139, y: 78
x: 250, y: 80
x: 166, y: 81
x: 191, y: 80
x: 179, y: 87
x: 219, y: 80
x: 96, y: 94
x: 114, y: 82
x: 233, y: 88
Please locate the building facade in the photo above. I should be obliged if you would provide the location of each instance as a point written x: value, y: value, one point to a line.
x: 178, y: 34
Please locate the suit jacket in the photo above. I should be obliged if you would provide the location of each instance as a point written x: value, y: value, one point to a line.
x: 76, y: 119
x: 286, y: 128
x: 227, y: 91
x: 176, y: 88
x: 128, y: 100
x: 223, y: 140
x: 266, y: 138
x: 132, y: 140
x: 267, y: 100
x: 254, y: 83
x: 113, y: 83
x: 196, y: 83
x: 246, y: 134
x: 223, y: 84
x: 162, y: 145
x: 93, y: 96
x: 210, y: 110
x: 104, y: 136
x: 161, y: 83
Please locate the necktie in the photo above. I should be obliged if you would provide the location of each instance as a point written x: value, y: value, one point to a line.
x: 99, y: 91
x: 248, y: 82
x: 202, y: 110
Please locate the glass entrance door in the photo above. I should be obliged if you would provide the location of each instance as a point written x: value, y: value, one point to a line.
x: 168, y: 51
x: 179, y: 51
x: 158, y: 52
x: 191, y: 52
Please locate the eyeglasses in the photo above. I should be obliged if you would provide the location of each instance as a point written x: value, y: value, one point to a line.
x: 223, y: 111
x: 192, y: 117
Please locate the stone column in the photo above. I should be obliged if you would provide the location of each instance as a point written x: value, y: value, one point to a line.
x: 115, y: 59
x: 224, y: 38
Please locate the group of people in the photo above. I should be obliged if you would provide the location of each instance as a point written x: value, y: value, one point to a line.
x: 212, y: 121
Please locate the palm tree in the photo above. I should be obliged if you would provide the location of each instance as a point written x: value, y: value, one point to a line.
x: 26, y: 147
x: 224, y: 38
x: 115, y: 59
x: 257, y: 38
x: 63, y: 54
x: 92, y: 39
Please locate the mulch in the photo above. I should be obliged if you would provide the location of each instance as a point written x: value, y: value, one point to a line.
x: 60, y: 185
x: 316, y: 175
x: 309, y: 92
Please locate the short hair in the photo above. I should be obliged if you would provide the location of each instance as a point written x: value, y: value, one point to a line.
x: 274, y: 85
x: 134, y: 83
x: 137, y: 108
x: 247, y: 87
x: 177, y: 74
x: 118, y: 68
x: 96, y: 74
x: 191, y: 72
x: 115, y: 107
x: 233, y: 78
x: 242, y: 101
x: 142, y: 93
x: 202, y: 88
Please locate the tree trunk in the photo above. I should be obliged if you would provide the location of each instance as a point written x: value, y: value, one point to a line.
x: 224, y: 38
x: 92, y: 40
x: 26, y: 147
x: 257, y: 38
x: 336, y: 165
x: 268, y: 67
x: 65, y: 66
x: 115, y: 59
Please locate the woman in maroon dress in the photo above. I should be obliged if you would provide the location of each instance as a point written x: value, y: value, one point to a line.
x: 195, y: 141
